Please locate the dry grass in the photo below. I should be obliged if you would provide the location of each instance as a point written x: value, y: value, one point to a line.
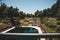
x: 4, y: 26
x: 28, y: 20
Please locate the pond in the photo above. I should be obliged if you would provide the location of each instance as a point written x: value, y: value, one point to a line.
x: 23, y: 30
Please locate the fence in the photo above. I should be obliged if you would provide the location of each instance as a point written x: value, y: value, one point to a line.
x: 16, y: 36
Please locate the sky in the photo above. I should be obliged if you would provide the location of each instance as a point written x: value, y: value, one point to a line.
x: 29, y: 6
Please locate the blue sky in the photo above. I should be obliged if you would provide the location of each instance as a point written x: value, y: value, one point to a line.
x: 29, y: 6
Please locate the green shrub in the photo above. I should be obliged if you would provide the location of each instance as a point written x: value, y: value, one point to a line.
x: 58, y: 30
x: 52, y: 26
x: 58, y: 23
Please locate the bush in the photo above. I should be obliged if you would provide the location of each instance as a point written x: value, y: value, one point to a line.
x: 58, y: 23
x: 58, y: 30
x: 52, y: 26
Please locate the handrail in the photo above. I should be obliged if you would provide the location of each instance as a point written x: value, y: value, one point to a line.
x: 44, y: 35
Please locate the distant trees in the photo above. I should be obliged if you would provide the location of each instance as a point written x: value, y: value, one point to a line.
x: 54, y: 11
x: 29, y: 15
x: 3, y: 9
x: 47, y: 12
x: 44, y: 13
x: 37, y: 13
x: 22, y: 15
x: 10, y: 12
